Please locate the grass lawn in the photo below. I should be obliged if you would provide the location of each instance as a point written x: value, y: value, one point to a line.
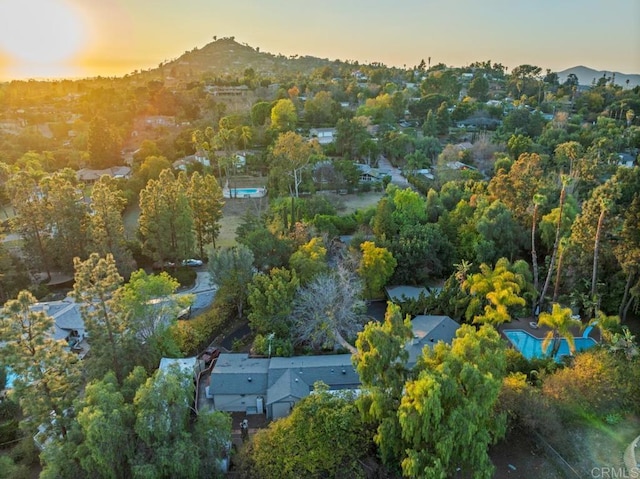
x: 235, y: 208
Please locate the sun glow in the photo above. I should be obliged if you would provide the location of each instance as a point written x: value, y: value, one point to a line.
x: 40, y: 35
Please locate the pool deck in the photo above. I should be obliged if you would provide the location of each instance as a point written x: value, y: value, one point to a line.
x: 540, y: 332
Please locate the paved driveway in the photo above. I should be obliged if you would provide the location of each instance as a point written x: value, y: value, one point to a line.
x: 396, y: 176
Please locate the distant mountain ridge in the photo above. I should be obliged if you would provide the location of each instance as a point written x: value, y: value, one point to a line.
x: 587, y: 75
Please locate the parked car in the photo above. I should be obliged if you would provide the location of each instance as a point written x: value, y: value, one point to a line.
x: 192, y: 262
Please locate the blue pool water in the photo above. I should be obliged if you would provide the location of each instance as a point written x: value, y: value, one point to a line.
x: 244, y: 192
x: 11, y: 376
x: 531, y: 347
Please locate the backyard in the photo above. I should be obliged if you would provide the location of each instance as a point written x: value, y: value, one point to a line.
x: 236, y: 208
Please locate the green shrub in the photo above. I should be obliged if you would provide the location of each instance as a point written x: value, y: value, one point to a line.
x: 194, y: 335
x: 185, y: 276
x: 279, y: 347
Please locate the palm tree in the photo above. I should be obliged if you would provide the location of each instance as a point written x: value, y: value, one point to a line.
x: 493, y: 291
x: 245, y: 135
x: 559, y: 321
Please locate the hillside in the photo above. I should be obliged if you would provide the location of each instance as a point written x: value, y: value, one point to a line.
x: 225, y: 56
x: 586, y: 76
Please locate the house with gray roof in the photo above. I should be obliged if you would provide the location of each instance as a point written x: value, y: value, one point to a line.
x: 273, y: 386
x: 401, y: 293
x: 291, y: 379
x: 429, y: 331
x: 239, y: 383
x: 67, y: 323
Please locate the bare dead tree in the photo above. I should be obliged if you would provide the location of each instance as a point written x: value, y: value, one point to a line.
x: 328, y: 310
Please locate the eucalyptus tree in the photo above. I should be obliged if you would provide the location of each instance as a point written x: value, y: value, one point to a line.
x: 291, y: 155
x: 556, y: 244
x: 628, y: 254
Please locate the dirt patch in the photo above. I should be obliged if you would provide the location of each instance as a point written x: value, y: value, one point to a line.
x: 597, y: 444
x: 347, y: 204
x: 518, y: 456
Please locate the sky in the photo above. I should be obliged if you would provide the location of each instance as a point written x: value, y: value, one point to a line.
x: 83, y: 38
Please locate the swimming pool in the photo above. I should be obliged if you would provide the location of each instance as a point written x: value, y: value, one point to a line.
x: 11, y: 377
x: 244, y: 192
x: 531, y: 347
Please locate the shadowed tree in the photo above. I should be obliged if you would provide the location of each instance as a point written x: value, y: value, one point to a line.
x: 67, y: 216
x: 31, y: 220
x: 231, y: 270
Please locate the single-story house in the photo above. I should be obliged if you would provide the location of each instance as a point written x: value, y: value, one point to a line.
x: 239, y: 383
x: 368, y: 174
x: 88, y: 175
x: 323, y: 135
x: 398, y: 294
x: 291, y: 379
x: 428, y: 331
x: 68, y: 324
x: 273, y: 386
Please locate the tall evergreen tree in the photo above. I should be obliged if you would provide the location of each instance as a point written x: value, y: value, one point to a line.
x: 166, y: 219
x: 205, y: 199
x: 106, y: 224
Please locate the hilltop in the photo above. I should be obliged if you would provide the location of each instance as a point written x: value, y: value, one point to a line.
x: 225, y: 56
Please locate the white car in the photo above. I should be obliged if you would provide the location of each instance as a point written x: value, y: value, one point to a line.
x: 192, y: 262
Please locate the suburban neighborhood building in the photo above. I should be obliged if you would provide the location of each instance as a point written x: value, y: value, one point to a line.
x: 323, y: 135
x: 272, y: 386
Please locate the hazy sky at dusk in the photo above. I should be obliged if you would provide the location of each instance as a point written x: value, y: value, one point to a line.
x: 54, y: 38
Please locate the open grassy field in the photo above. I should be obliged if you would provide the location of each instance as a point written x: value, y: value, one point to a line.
x: 236, y: 208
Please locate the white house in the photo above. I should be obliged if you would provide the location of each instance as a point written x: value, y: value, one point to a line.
x: 323, y: 135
